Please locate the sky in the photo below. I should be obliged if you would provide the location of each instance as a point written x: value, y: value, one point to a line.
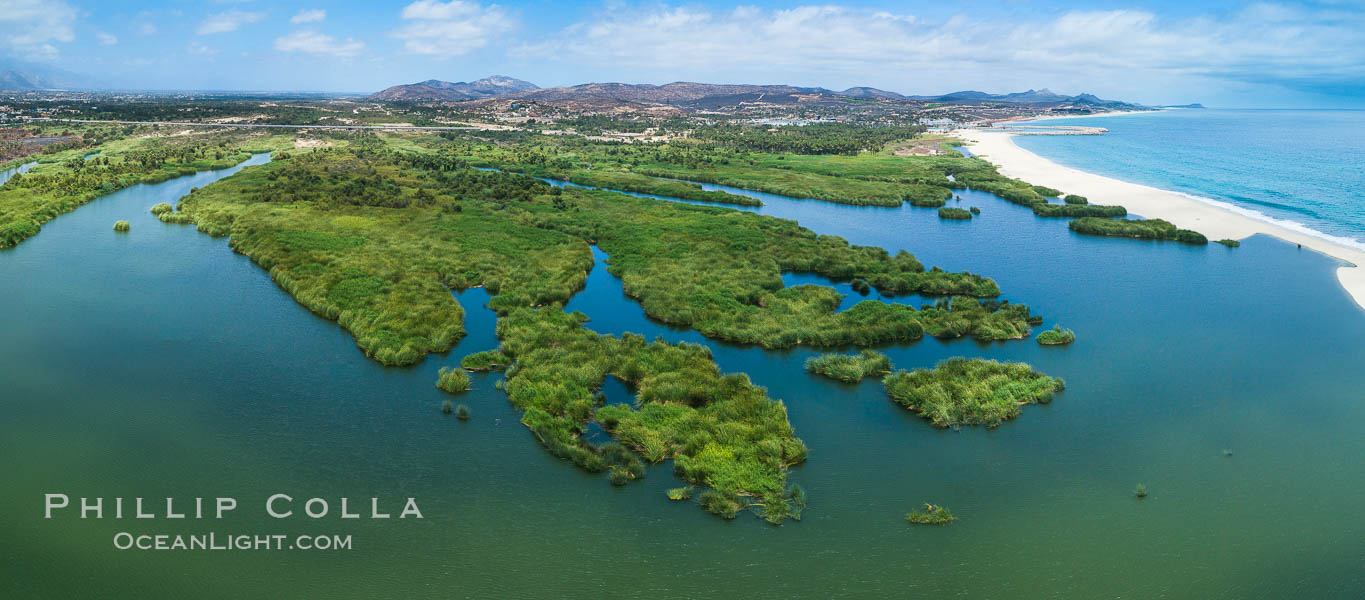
x: 1229, y: 54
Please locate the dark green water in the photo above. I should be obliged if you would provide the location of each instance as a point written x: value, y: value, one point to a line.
x: 158, y: 363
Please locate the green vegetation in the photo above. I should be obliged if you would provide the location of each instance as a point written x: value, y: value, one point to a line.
x: 975, y: 210
x: 374, y: 232
x: 642, y: 184
x: 1230, y: 243
x: 1140, y: 491
x: 452, y: 380
x: 850, y: 368
x: 1151, y: 229
x: 932, y: 515
x: 954, y: 213
x: 162, y: 208
x: 122, y: 226
x: 681, y: 493
x: 961, y: 391
x: 1072, y: 211
x: 1047, y: 191
x: 64, y: 181
x: 485, y: 361
x: 1056, y: 336
x: 462, y: 412
x: 447, y: 407
x: 721, y: 431
x: 1074, y: 199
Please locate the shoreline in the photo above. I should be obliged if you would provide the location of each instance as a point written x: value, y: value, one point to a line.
x: 1183, y: 210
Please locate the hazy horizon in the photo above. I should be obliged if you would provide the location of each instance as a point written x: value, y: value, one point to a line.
x: 1224, y: 54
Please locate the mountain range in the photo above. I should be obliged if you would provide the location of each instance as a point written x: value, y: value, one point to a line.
x: 701, y: 95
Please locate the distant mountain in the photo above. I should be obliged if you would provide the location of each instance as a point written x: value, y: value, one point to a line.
x: 680, y: 92
x: 1039, y: 98
x: 693, y: 95
x: 869, y: 92
x: 17, y: 80
x: 494, y: 86
x: 1195, y: 105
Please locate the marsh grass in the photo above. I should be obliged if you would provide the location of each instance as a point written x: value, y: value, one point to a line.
x: 487, y: 360
x: 122, y: 226
x: 1151, y: 229
x: 1140, y: 491
x: 1056, y: 336
x: 931, y: 515
x: 462, y: 412
x: 162, y: 208
x: 959, y: 214
x: 680, y: 493
x: 447, y: 407
x: 1231, y: 243
x: 452, y: 380
x: 962, y: 391
x: 850, y: 368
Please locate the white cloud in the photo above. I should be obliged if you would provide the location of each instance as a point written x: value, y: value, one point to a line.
x: 314, y: 42
x: 225, y: 22
x: 145, y: 28
x: 1118, y: 50
x: 200, y: 50
x: 28, y: 27
x: 106, y: 39
x: 309, y: 16
x: 451, y: 28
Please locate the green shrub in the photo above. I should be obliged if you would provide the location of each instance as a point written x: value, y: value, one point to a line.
x: 452, y: 380
x: 719, y: 504
x: 1046, y: 191
x: 962, y: 391
x: 462, y: 412
x: 1072, y: 211
x: 850, y: 368
x: 1140, y: 491
x: 1074, y: 199
x: 932, y: 515
x: 162, y: 209
x: 122, y: 226
x: 485, y: 361
x: 954, y: 213
x: 681, y: 493
x: 1152, y: 229
x: 1056, y: 336
x: 974, y: 210
x: 447, y: 407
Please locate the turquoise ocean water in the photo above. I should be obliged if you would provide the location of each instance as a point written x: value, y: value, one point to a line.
x: 1303, y: 169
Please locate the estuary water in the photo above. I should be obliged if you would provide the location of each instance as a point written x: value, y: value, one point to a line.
x: 1299, y: 168
x: 158, y: 363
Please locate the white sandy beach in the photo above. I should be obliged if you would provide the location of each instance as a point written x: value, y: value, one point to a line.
x: 1149, y: 202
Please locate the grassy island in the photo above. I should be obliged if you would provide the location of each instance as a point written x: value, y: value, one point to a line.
x: 162, y: 208
x: 931, y: 515
x: 452, y: 380
x: 961, y: 391
x: 374, y: 232
x: 485, y: 361
x: 1149, y: 229
x: 1056, y: 336
x: 850, y: 368
x: 961, y: 214
x: 1230, y: 243
x: 122, y: 226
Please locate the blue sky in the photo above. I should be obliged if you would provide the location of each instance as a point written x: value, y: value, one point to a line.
x: 1309, y: 54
